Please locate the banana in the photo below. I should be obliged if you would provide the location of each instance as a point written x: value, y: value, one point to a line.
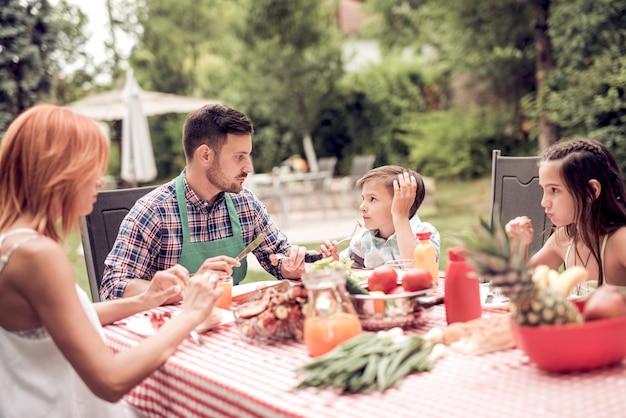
x: 540, y: 275
x: 553, y: 278
x: 570, y: 278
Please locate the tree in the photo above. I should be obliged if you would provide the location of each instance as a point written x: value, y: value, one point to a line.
x: 544, y: 61
x: 28, y: 38
x: 586, y: 93
x: 178, y: 51
x: 291, y: 63
x: 76, y: 67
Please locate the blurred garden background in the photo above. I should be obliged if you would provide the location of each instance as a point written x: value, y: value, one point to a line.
x: 428, y: 84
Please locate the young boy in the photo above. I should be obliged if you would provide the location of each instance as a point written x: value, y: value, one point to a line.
x: 391, y: 196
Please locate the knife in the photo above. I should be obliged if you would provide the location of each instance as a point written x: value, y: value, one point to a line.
x: 255, y: 243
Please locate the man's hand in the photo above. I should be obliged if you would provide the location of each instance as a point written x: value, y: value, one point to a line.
x: 293, y: 265
x: 222, y: 265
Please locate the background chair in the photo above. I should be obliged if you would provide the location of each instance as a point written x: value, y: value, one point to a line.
x: 99, y: 229
x: 361, y: 164
x: 343, y: 190
x: 327, y: 164
x: 515, y: 191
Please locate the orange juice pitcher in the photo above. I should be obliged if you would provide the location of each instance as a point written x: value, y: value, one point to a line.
x: 330, y: 318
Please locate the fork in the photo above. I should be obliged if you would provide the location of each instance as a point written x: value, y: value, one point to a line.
x: 352, y: 234
x: 358, y: 225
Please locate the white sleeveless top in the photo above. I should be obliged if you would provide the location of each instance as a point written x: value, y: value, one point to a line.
x: 602, y: 248
x: 36, y: 380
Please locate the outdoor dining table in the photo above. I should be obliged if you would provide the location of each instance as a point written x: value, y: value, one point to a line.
x: 285, y: 186
x: 228, y: 377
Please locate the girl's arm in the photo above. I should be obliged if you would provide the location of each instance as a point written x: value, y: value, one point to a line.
x: 51, y: 291
x: 549, y: 254
x: 520, y: 232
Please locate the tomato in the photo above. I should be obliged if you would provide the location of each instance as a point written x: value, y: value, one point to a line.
x: 417, y: 279
x: 382, y: 279
x: 397, y: 290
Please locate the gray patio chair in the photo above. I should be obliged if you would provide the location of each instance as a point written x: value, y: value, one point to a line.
x: 515, y: 191
x: 343, y: 190
x: 361, y: 164
x: 99, y: 229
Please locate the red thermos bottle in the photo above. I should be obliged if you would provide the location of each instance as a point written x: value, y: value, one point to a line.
x: 462, y: 290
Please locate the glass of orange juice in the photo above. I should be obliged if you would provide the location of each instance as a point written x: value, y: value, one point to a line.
x: 226, y: 284
x: 330, y: 318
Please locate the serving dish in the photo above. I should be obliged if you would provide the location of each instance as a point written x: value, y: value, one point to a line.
x: 574, y: 347
x: 405, y: 310
x: 272, y: 314
x: 250, y: 291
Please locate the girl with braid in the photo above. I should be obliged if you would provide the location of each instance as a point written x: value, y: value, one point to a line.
x: 583, y: 195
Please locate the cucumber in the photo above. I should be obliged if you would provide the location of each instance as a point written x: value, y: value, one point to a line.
x: 353, y: 287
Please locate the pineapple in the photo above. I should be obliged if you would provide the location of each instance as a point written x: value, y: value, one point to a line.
x: 533, y: 302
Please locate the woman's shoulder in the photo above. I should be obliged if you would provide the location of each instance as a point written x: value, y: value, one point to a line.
x: 30, y: 253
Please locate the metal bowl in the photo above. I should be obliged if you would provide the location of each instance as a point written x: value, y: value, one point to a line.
x: 405, y: 310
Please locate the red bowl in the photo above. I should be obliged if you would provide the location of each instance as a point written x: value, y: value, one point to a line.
x: 574, y: 347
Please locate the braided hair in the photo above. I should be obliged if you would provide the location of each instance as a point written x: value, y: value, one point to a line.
x: 585, y: 159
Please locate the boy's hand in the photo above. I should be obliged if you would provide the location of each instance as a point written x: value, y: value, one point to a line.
x: 404, y: 189
x: 329, y: 249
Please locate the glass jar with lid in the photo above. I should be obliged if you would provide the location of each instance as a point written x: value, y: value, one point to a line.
x: 330, y: 318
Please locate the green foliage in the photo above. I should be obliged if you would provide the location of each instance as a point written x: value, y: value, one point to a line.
x: 586, y: 92
x: 170, y: 160
x: 288, y: 70
x: 455, y: 143
x: 28, y: 38
x: 372, y: 108
x: 396, y: 25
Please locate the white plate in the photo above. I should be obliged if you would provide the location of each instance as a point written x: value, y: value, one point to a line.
x: 496, y: 302
x: 141, y: 325
x: 251, y: 287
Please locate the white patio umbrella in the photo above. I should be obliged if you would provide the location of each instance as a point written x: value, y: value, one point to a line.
x: 128, y: 105
x: 110, y: 105
x: 137, y: 155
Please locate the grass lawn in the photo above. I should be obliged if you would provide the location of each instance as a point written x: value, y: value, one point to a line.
x: 459, y: 206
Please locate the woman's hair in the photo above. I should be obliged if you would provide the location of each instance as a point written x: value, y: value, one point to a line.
x: 210, y: 126
x: 582, y: 160
x: 47, y: 153
x: 386, y: 174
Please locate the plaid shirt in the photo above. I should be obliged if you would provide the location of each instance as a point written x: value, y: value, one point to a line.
x: 150, y: 238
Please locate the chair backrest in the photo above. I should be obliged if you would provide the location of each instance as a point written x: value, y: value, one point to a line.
x: 99, y: 230
x: 327, y: 164
x: 515, y: 191
x: 361, y: 164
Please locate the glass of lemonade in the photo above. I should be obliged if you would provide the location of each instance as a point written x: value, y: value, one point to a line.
x: 226, y: 283
x: 330, y: 318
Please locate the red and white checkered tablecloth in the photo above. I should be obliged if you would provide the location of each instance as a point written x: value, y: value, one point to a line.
x: 227, y: 377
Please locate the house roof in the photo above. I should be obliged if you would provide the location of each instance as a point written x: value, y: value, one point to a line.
x: 350, y: 16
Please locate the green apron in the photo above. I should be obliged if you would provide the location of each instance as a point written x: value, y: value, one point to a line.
x: 193, y: 254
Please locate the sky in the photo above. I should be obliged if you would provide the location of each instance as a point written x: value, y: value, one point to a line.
x: 97, y: 28
x: 96, y: 12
